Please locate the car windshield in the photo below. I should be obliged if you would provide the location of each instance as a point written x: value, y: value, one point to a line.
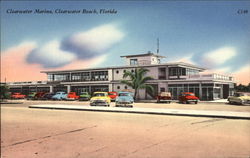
x: 241, y: 94
x: 99, y: 94
x: 123, y: 94
x: 60, y: 93
x: 84, y: 93
x: 111, y: 93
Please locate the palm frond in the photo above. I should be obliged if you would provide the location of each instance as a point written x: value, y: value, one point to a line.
x: 129, y: 83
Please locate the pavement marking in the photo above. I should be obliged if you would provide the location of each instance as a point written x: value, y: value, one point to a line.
x: 49, y: 136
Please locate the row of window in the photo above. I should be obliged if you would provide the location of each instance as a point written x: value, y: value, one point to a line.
x: 179, y: 71
x: 103, y: 75
x: 83, y: 76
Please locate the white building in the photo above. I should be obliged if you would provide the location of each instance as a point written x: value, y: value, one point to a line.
x: 175, y: 77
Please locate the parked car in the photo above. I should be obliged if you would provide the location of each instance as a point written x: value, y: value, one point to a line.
x: 100, y: 98
x: 188, y: 97
x: 18, y: 96
x: 164, y: 97
x: 47, y: 96
x: 84, y: 96
x: 239, y: 98
x: 59, y: 96
x: 38, y: 95
x: 124, y: 99
x: 72, y: 96
x: 112, y: 95
x: 31, y: 95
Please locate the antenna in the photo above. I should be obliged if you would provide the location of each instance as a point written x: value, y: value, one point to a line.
x: 157, y: 45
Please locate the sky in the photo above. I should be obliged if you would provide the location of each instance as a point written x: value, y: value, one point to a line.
x: 46, y: 35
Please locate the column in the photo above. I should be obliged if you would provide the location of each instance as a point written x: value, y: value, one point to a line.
x: 50, y: 89
x: 200, y: 91
x: 68, y: 88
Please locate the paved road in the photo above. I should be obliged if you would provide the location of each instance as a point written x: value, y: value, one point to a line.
x: 40, y: 133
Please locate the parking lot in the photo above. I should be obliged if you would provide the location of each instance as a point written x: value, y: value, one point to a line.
x: 44, y: 133
x: 218, y: 106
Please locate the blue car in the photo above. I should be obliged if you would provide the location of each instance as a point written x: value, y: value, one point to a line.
x: 124, y: 99
x: 59, y: 96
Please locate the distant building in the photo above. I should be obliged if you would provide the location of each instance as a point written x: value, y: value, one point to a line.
x: 174, y: 77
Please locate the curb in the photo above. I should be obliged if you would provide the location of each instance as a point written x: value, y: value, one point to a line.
x: 158, y: 111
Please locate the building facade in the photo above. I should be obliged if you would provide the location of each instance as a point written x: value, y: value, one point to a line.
x: 174, y: 77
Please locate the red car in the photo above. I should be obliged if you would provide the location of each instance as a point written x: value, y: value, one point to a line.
x: 112, y: 95
x: 164, y: 97
x: 38, y: 95
x: 188, y: 97
x: 18, y: 96
x: 72, y: 96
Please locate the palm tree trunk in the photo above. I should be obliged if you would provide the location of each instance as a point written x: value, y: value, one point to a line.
x: 135, y: 94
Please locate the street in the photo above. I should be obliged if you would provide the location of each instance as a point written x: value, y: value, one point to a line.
x: 42, y: 133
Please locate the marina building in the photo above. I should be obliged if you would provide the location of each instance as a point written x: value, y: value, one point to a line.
x: 175, y: 77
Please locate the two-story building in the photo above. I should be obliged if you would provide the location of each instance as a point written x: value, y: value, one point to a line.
x: 174, y: 77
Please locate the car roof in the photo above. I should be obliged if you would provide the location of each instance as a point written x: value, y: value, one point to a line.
x: 100, y: 92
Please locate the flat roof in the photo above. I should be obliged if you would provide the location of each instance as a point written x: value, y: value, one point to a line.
x: 145, y: 54
x: 180, y: 64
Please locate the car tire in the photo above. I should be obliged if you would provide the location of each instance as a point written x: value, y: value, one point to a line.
x: 196, y: 102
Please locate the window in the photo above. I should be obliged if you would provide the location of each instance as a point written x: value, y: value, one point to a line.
x: 99, y: 76
x: 117, y: 71
x: 118, y: 87
x: 50, y: 77
x: 126, y: 87
x: 61, y: 77
x: 133, y: 62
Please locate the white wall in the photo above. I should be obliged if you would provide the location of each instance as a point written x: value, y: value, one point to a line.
x: 119, y: 76
x: 149, y: 59
x: 153, y: 72
x: 110, y: 75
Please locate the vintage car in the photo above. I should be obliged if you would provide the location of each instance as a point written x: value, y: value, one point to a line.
x: 112, y: 95
x: 72, y: 96
x: 164, y: 97
x: 31, y: 95
x: 47, y: 96
x: 100, y: 98
x: 239, y: 98
x: 124, y: 99
x: 188, y: 97
x: 17, y: 96
x: 59, y: 96
x: 84, y: 96
x: 38, y: 95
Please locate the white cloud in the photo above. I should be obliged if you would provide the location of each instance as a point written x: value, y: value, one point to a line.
x: 186, y: 59
x: 218, y: 56
x: 50, y: 55
x: 83, y: 46
x: 93, y: 42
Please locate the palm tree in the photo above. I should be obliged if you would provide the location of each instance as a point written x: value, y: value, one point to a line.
x: 137, y: 80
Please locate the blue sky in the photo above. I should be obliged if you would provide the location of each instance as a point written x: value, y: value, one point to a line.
x: 210, y: 34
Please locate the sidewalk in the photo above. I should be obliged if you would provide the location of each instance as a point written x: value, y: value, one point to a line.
x: 155, y: 111
x: 176, y: 101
